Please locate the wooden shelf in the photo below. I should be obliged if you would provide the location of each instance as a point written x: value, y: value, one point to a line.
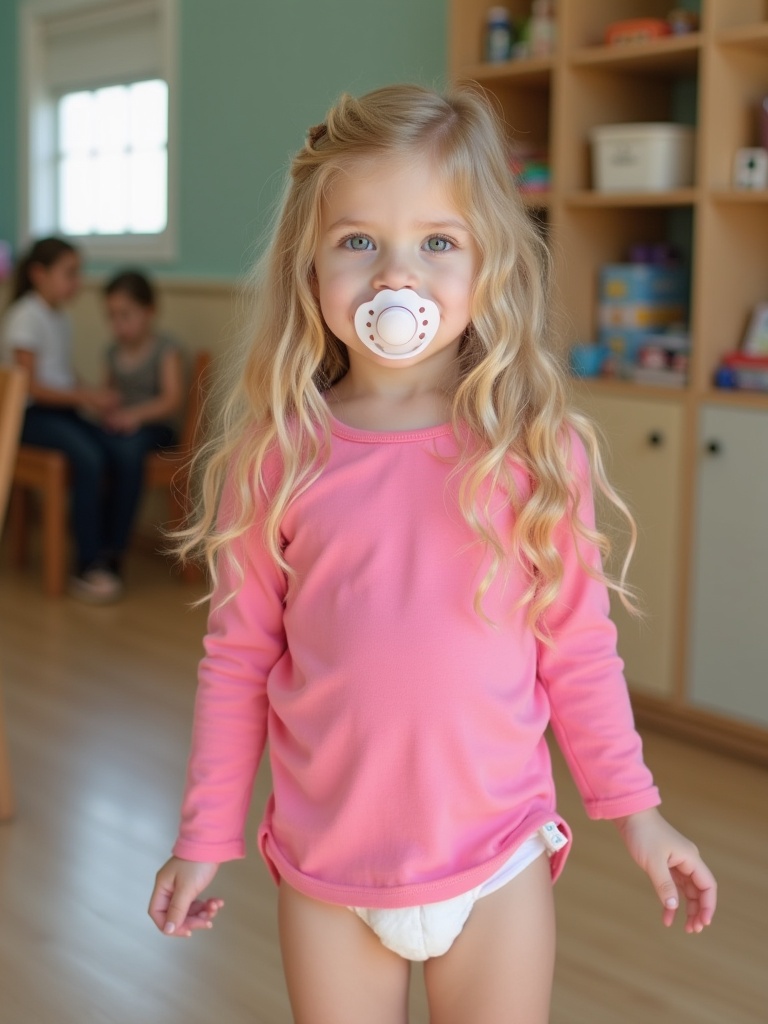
x: 529, y: 71
x: 671, y: 55
x: 713, y: 78
x: 757, y: 197
x: 675, y: 197
x: 628, y: 388
x: 738, y: 398
x: 752, y: 37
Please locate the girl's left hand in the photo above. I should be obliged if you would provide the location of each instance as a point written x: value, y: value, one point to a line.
x: 674, y: 866
x: 122, y: 421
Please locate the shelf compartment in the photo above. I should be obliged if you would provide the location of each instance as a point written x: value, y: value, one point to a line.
x: 601, y: 237
x: 734, y: 257
x: 741, y: 196
x: 735, y: 109
x: 672, y: 55
x: 468, y: 33
x: 600, y: 95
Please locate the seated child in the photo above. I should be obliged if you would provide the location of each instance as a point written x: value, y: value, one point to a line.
x: 144, y: 367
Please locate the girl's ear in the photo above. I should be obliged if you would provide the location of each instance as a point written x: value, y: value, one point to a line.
x: 36, y: 274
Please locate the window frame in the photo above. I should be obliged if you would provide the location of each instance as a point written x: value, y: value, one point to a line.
x: 38, y: 139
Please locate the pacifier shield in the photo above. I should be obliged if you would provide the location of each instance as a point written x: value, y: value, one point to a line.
x: 397, y: 324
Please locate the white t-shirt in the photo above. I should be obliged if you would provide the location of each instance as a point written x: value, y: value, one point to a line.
x: 34, y: 326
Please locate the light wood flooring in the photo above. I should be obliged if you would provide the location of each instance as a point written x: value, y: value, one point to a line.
x: 99, y: 701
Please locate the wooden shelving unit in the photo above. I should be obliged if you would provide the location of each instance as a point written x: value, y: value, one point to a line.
x: 687, y: 458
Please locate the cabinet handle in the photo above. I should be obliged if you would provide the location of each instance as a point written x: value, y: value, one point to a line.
x: 655, y: 439
x: 714, y: 448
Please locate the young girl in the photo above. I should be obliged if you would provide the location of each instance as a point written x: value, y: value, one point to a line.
x: 407, y: 590
x: 144, y: 369
x: 37, y: 334
x: 143, y: 365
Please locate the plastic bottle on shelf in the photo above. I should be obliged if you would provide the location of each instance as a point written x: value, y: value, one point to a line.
x: 498, y: 35
x: 542, y: 28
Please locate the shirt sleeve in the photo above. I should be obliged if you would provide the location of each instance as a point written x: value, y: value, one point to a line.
x: 21, y: 329
x: 583, y: 675
x: 244, y: 640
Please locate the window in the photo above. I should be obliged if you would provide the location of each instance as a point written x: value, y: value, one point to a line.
x: 99, y: 118
x: 112, y: 160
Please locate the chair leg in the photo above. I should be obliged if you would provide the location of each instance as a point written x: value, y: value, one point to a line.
x: 18, y: 528
x: 55, y: 534
x: 7, y: 805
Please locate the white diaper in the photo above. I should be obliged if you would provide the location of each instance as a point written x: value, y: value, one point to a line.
x: 418, y: 933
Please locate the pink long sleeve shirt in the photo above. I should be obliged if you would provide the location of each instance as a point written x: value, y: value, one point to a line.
x: 406, y: 733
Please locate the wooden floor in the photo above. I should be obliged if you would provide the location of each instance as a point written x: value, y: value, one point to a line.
x: 99, y: 703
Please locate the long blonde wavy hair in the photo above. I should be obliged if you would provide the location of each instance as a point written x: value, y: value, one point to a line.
x: 511, y: 393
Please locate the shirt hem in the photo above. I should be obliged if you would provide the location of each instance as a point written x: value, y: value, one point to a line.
x: 418, y: 893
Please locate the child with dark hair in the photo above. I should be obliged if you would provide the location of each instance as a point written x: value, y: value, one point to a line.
x: 37, y: 334
x: 143, y: 365
x: 144, y: 368
x: 105, y: 432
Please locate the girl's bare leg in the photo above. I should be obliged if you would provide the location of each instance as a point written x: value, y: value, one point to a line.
x: 499, y: 969
x: 336, y: 969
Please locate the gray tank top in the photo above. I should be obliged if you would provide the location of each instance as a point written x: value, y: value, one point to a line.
x: 141, y: 382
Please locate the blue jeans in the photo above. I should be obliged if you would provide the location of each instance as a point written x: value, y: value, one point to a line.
x: 107, y: 476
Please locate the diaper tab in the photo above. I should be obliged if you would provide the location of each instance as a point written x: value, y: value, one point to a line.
x: 552, y: 837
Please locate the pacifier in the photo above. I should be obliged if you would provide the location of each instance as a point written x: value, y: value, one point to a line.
x: 397, y: 325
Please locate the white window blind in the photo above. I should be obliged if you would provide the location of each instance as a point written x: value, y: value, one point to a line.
x: 102, y: 175
x: 111, y: 43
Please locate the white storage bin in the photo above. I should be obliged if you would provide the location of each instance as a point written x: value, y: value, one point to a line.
x: 642, y: 157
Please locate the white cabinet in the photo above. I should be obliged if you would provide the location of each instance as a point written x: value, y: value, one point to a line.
x: 644, y: 463
x: 729, y: 636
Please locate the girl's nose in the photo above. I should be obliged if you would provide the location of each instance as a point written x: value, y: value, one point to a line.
x: 394, y: 270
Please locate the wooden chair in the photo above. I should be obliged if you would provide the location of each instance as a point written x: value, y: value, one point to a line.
x: 13, y: 392
x: 169, y: 468
x: 46, y: 472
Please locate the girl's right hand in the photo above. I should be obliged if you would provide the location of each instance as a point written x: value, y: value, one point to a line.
x: 174, y: 906
x: 98, y: 400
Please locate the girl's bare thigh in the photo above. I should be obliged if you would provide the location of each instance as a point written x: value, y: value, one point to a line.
x: 499, y: 970
x: 336, y: 970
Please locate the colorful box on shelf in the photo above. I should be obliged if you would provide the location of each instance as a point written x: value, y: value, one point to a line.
x: 622, y: 345
x: 662, y: 359
x: 531, y: 170
x: 638, y: 315
x: 636, y: 30
x: 742, y: 371
x: 644, y: 283
x: 647, y: 157
x: 633, y: 300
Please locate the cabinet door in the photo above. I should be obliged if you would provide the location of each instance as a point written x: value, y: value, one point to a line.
x: 643, y: 459
x: 729, y: 644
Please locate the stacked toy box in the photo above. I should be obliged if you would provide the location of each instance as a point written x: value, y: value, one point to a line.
x: 635, y: 300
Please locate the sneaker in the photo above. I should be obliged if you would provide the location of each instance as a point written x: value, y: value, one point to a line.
x: 96, y: 586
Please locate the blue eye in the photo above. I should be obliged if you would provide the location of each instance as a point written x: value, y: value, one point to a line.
x: 359, y: 243
x: 438, y: 244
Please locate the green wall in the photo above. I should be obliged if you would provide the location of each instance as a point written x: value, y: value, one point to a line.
x: 8, y: 122
x: 253, y: 75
